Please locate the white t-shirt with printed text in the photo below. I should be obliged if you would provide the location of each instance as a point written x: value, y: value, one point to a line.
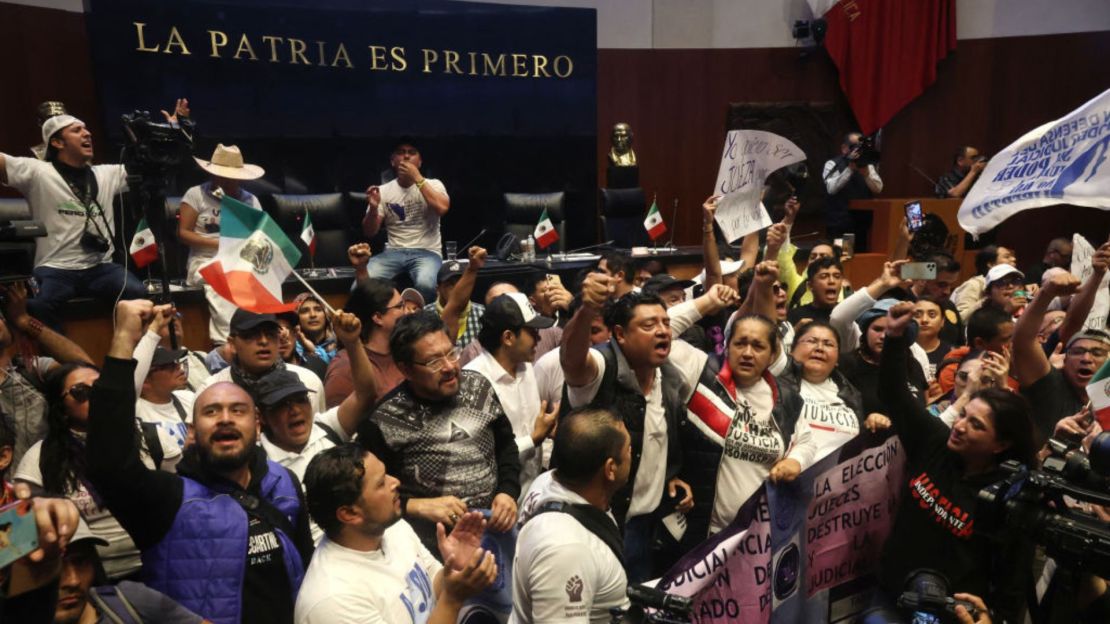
x: 829, y: 421
x: 408, y: 220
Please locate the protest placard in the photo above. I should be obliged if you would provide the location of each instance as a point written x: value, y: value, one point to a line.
x: 1082, y: 252
x: 748, y: 158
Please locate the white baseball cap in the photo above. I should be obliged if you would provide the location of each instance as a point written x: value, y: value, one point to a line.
x: 1000, y: 271
x: 54, y: 124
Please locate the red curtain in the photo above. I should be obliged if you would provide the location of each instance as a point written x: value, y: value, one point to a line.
x: 887, y: 52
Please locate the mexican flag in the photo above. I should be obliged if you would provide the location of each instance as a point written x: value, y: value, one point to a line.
x: 654, y: 222
x: 1098, y: 389
x: 545, y: 232
x: 308, y: 233
x: 255, y: 257
x: 144, y: 249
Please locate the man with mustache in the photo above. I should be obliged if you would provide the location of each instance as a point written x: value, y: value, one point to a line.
x: 443, y: 433
x: 227, y: 536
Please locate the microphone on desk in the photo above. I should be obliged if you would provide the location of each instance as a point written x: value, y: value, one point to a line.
x: 588, y: 247
x: 924, y: 175
x: 674, y: 223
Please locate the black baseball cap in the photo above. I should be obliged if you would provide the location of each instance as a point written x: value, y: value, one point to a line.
x: 277, y: 385
x: 513, y: 311
x: 663, y: 281
x: 450, y: 270
x: 163, y: 356
x: 245, y: 320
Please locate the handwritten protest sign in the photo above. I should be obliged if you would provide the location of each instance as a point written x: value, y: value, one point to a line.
x: 1081, y: 253
x: 1066, y: 161
x: 797, y: 552
x: 749, y: 157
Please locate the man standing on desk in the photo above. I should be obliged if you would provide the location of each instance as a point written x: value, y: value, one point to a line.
x: 847, y: 179
x: 410, y: 206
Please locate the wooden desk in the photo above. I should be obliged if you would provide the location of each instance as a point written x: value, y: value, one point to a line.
x: 887, y: 215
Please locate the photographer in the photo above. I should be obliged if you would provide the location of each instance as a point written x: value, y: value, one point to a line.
x: 966, y: 167
x: 73, y: 199
x: 935, y: 526
x: 850, y: 176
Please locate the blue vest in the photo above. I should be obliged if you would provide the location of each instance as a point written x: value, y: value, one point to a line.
x: 201, y: 561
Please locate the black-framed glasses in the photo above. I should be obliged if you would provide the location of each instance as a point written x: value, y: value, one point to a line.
x: 397, y: 306
x: 439, y: 363
x: 172, y: 366
x: 1096, y: 352
x: 79, y: 392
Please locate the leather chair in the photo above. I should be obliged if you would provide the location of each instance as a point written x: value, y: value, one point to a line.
x: 330, y: 219
x: 523, y: 210
x: 17, y: 258
x: 177, y: 252
x: 622, y: 216
x: 14, y: 209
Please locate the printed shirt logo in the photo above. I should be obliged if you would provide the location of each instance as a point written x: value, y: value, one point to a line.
x: 944, y: 512
x: 574, y: 588
x: 258, y: 252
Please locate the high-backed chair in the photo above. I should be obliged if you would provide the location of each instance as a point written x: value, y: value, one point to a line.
x: 622, y: 216
x: 330, y: 220
x: 177, y: 252
x: 17, y: 258
x: 523, y: 210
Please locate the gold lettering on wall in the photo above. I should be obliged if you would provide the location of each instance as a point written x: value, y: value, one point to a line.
x: 400, y: 63
x: 217, y: 39
x: 451, y: 62
x: 567, y: 64
x: 273, y: 41
x: 142, y: 47
x: 320, y: 54
x: 175, y: 41
x: 493, y: 69
x: 539, y: 63
x: 245, y: 46
x: 430, y: 56
x: 520, y: 65
x: 341, y: 55
x: 377, y: 58
x: 296, y: 51
x: 473, y: 63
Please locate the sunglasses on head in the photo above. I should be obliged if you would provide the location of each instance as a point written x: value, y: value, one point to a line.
x: 79, y: 392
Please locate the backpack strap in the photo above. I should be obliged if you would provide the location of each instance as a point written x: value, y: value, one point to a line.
x: 153, y: 443
x: 109, y: 602
x: 593, y: 520
x: 331, y: 434
x: 177, y: 406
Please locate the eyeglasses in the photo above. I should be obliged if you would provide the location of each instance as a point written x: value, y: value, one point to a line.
x: 79, y: 392
x: 289, y: 402
x: 441, y: 362
x: 1007, y: 281
x: 776, y: 287
x: 817, y: 342
x: 172, y: 366
x: 398, y: 306
x: 1095, y: 352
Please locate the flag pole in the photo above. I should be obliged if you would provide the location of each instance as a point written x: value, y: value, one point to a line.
x: 654, y: 243
x: 312, y: 290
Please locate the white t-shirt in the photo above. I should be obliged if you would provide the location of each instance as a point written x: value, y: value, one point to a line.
x: 562, y: 572
x: 166, y: 416
x: 308, y: 378
x: 55, y: 205
x: 830, y: 422
x: 647, y: 488
x: 751, y: 447
x: 520, y: 398
x: 318, y: 441
x: 391, y: 585
x: 549, y: 376
x: 120, y: 557
x: 207, y: 205
x: 410, y: 223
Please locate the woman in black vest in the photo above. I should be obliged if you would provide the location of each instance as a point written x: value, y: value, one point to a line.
x: 739, y: 428
x: 935, y: 526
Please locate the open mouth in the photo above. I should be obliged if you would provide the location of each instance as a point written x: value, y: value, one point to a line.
x: 663, y: 348
x: 226, y: 437
x: 298, y: 426
x: 1084, y: 373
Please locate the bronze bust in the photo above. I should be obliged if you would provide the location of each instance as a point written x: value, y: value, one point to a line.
x: 621, y: 154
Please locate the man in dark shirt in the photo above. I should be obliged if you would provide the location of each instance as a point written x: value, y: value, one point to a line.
x: 967, y: 164
x: 825, y: 278
x: 1057, y: 254
x: 443, y: 433
x: 227, y: 536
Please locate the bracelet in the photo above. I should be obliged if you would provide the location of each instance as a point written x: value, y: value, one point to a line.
x: 421, y: 183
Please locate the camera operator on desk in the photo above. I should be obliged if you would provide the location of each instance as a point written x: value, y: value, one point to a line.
x: 73, y: 199
x: 851, y: 175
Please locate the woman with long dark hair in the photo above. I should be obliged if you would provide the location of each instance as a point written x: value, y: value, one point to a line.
x: 946, y: 468
x: 57, y: 463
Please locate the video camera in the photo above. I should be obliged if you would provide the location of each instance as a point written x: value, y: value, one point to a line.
x: 155, y: 146
x: 868, y: 150
x: 652, y: 606
x: 1031, y: 503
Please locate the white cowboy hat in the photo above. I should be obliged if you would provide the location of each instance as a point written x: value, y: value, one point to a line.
x: 227, y: 162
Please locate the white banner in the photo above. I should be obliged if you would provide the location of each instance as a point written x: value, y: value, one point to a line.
x: 1062, y: 162
x: 749, y: 157
x: 1081, y: 253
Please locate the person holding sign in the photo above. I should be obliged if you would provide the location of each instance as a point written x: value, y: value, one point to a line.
x: 935, y: 525
x: 846, y: 179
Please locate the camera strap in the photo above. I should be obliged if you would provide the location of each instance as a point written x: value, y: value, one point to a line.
x: 88, y: 200
x: 593, y: 520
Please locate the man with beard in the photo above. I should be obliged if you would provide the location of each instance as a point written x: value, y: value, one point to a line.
x: 256, y: 340
x: 443, y: 433
x: 371, y: 567
x: 227, y: 536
